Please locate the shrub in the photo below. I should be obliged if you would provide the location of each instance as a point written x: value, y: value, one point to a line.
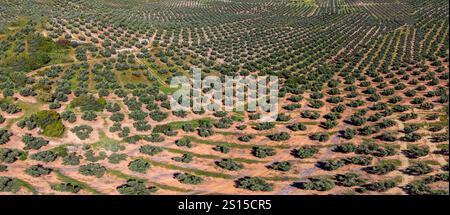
x: 262, y: 152
x: 186, y: 158
x: 360, y: 160
x: 254, y: 184
x: 90, y: 156
x: 331, y: 164
x: 376, y: 150
x: 88, y: 103
x: 416, y: 151
x: 204, y: 132
x: 135, y: 187
x: 116, y: 158
x: 384, y: 167
x: 264, y: 126
x: 306, y: 151
x: 49, y: 121
x: 187, y: 178
x: 318, y: 183
x: 4, y: 136
x: 33, y: 142
x: 223, y: 149
x: 92, y: 169
x: 419, y: 168
x: 139, y: 165
x: 37, y: 170
x: 184, y: 142
x: 382, y: 186
x: 282, y: 166
x: 297, y: 127
x: 345, y: 148
x: 229, y: 164
x: 3, y: 168
x: 83, y: 131
x: 117, y: 117
x: 8, y: 184
x: 349, y: 179
x: 150, y: 150
x: 72, y: 159
x: 69, y: 116
x: 45, y: 156
x: 10, y: 155
x: 89, y: 116
x: 246, y: 138
x: 66, y: 187
x: 279, y: 136
x: 321, y: 137
x: 158, y: 115
x: 142, y: 125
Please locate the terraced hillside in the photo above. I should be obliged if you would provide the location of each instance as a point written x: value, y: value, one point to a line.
x: 85, y: 97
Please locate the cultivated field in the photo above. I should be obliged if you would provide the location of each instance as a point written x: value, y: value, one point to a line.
x: 85, y: 97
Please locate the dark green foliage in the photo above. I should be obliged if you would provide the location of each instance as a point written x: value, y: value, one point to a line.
x: 83, y: 131
x: 416, y: 151
x: 135, y: 187
x: 384, y: 167
x: 321, y: 137
x: 139, y: 165
x: 33, y: 142
x: 223, y: 149
x: 89, y: 116
x: 382, y: 186
x: 9, y: 108
x: 360, y: 160
x: 282, y: 166
x: 66, y: 187
x: 8, y: 184
x: 184, y: 142
x: 92, y: 169
x: 90, y: 156
x: 229, y: 164
x: 158, y: 115
x: 264, y: 126
x: 88, y: 103
x: 332, y: 164
x: 45, y: 156
x: 72, y: 159
x: 345, y: 148
x: 246, y: 138
x: 37, y: 170
x: 376, y: 150
x: 310, y: 114
x: 254, y: 184
x: 262, y: 152
x: 10, y: 155
x: 306, y: 151
x: 69, y: 116
x: 187, y: 178
x: 142, y: 125
x: 4, y: 136
x: 49, y: 121
x: 279, y: 136
x: 419, y: 168
x: 3, y: 168
x: 318, y: 183
x: 349, y: 179
x: 205, y: 132
x: 150, y: 150
x: 186, y: 158
x: 297, y: 127
x: 116, y: 158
